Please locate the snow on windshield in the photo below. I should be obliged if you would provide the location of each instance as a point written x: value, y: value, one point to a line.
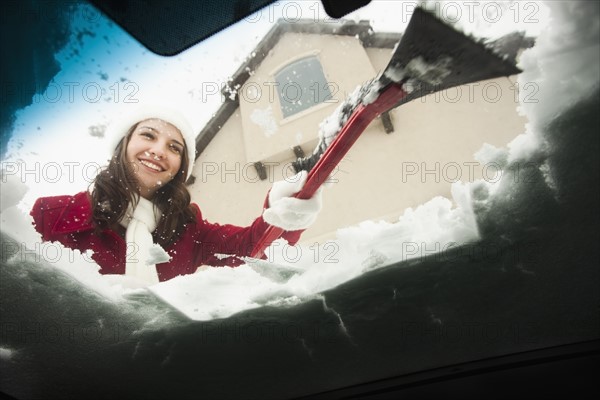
x: 101, y: 67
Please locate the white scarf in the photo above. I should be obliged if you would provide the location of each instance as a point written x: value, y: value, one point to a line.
x: 142, y: 253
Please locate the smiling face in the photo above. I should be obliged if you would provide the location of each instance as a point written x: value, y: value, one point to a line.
x: 155, y: 152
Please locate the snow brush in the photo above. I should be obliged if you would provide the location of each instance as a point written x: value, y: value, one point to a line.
x: 431, y: 56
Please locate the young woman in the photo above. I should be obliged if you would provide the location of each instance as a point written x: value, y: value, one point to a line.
x: 137, y: 218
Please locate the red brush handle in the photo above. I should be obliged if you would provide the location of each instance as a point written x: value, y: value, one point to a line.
x: 352, y: 129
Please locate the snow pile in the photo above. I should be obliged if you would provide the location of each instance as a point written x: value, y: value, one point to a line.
x: 558, y: 72
x: 291, y: 274
x: 157, y: 255
x: 79, y: 266
x: 11, y: 197
x: 299, y: 273
x: 563, y: 66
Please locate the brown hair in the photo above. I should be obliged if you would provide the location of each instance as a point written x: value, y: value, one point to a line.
x: 115, y: 187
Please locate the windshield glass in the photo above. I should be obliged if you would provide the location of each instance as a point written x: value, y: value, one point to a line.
x: 456, y: 228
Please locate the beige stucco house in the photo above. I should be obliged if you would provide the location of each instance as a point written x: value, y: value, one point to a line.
x: 298, y: 76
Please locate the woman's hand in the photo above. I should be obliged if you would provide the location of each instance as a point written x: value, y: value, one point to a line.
x: 290, y: 213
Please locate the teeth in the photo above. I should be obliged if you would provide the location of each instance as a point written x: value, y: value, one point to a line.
x: 153, y: 166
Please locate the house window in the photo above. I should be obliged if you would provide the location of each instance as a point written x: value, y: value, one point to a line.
x: 301, y: 85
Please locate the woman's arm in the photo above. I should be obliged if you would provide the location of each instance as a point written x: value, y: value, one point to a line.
x: 59, y: 215
x: 226, y: 245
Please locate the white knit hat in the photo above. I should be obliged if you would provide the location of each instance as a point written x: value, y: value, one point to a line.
x: 126, y: 119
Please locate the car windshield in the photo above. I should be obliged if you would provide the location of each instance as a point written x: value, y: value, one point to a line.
x: 458, y: 227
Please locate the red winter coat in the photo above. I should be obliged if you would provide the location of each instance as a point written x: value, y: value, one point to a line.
x: 67, y: 219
